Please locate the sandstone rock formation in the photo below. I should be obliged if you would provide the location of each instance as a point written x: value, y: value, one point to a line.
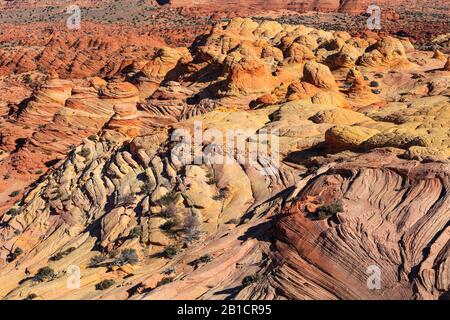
x: 99, y: 180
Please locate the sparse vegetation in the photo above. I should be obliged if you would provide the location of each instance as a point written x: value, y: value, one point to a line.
x: 136, y: 232
x: 127, y: 200
x: 223, y: 194
x: 327, y: 211
x: 62, y: 254
x: 254, y: 278
x: 170, y: 252
x: 190, y: 226
x: 45, y: 274
x: 13, y: 255
x: 13, y: 212
x: 15, y: 193
x: 126, y: 256
x: 233, y: 221
x: 169, y: 198
x: 169, y: 271
x: 164, y: 281
x: 168, y: 225
x: 376, y: 91
x: 96, y: 261
x: 105, y: 284
x: 84, y: 153
x: 6, y: 176
x: 207, y: 258
x: 31, y: 296
x: 170, y: 211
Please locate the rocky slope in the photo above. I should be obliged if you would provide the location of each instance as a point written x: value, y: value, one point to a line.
x: 362, y: 126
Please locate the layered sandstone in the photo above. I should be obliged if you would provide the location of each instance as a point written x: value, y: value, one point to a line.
x: 362, y: 127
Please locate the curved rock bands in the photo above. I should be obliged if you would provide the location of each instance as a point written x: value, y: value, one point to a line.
x: 395, y: 217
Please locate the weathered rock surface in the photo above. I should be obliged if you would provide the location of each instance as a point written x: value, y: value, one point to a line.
x: 96, y: 180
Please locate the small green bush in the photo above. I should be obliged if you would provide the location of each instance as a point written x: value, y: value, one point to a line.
x: 13, y: 255
x: 254, y: 278
x: 170, y: 211
x: 233, y: 221
x: 327, y: 211
x: 164, y: 281
x: 31, y: 296
x: 168, y: 225
x: 170, y: 252
x: 105, y: 284
x: 169, y: 198
x: 13, y: 212
x: 207, y: 258
x: 126, y: 256
x: 136, y: 232
x: 96, y: 260
x: 45, y: 274
x: 15, y: 193
x: 84, y: 153
x: 62, y: 254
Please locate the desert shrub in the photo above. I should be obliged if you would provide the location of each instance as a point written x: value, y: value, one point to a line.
x: 114, y: 253
x: 169, y: 271
x: 190, y: 227
x: 126, y: 256
x: 233, y: 221
x: 169, y: 198
x: 39, y: 172
x: 168, y: 225
x: 96, y: 260
x: 62, y: 254
x: 6, y: 176
x: 170, y: 252
x: 327, y: 211
x: 27, y: 79
x: 136, y: 232
x: 207, y: 258
x: 223, y: 194
x: 170, y: 211
x: 45, y: 274
x: 84, y: 153
x: 164, y: 281
x: 105, y: 284
x: 13, y: 255
x: 374, y: 84
x: 254, y: 278
x: 376, y: 91
x: 15, y: 193
x: 31, y: 296
x: 13, y: 212
x: 93, y: 138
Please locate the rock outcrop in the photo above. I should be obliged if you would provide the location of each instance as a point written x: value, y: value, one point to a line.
x: 104, y: 172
